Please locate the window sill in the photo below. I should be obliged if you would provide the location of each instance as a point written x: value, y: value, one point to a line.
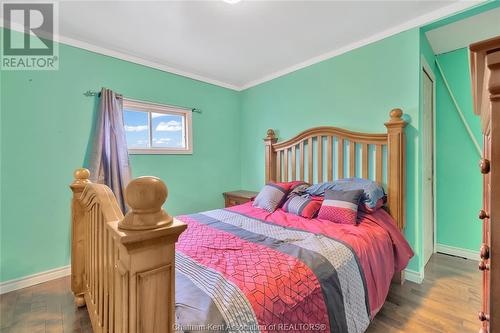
x: 160, y: 151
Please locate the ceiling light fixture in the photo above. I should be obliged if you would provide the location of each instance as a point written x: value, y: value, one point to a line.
x: 232, y: 2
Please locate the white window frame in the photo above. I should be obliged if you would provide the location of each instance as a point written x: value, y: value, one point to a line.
x: 148, y: 107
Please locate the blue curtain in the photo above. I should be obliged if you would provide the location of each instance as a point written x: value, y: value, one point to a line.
x: 109, y: 163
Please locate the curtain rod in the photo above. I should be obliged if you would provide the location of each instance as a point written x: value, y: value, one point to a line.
x: 90, y: 93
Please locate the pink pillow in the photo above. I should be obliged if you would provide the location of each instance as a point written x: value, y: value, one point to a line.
x: 340, y: 206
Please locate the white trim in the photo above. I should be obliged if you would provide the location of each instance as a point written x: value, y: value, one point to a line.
x: 416, y: 22
x: 434, y: 148
x: 458, y: 252
x: 427, y: 69
x: 144, y: 62
x: 159, y: 151
x: 131, y: 58
x: 413, y: 276
x: 34, y: 279
x: 149, y: 108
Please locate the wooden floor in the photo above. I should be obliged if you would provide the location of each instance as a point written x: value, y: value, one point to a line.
x: 447, y: 301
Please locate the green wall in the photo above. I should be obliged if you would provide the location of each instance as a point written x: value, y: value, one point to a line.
x: 45, y: 130
x: 355, y: 90
x: 457, y: 173
x: 46, y: 122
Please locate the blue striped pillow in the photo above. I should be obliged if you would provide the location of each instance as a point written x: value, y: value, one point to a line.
x: 302, y: 206
x: 373, y: 193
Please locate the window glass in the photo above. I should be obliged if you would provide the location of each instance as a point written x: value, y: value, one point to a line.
x: 168, y: 130
x: 136, y: 129
x: 157, y: 129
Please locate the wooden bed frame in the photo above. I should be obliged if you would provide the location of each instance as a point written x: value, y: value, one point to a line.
x: 123, y: 267
x: 281, y: 158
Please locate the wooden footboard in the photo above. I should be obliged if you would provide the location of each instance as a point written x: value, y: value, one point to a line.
x: 123, y: 267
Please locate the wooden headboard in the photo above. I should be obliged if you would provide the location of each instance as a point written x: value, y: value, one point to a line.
x: 327, y: 153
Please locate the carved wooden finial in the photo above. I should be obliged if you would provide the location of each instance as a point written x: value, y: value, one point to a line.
x: 145, y: 197
x: 396, y: 114
x: 81, y: 176
x: 269, y: 141
x: 270, y: 134
x: 396, y: 120
x: 81, y: 180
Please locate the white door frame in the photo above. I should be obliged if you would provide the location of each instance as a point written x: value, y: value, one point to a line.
x: 427, y: 69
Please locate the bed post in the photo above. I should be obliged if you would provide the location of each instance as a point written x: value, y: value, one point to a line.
x: 396, y: 174
x: 396, y: 166
x: 123, y: 267
x: 77, y: 235
x: 145, y: 265
x: 269, y: 140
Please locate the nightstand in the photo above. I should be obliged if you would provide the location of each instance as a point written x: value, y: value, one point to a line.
x: 238, y: 197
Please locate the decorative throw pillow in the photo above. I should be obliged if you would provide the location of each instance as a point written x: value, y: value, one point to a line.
x: 340, y: 206
x: 373, y: 193
x: 302, y: 205
x: 271, y: 197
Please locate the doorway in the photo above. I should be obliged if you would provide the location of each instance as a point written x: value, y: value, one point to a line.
x: 428, y: 189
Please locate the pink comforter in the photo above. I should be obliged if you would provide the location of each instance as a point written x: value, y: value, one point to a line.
x: 380, y: 247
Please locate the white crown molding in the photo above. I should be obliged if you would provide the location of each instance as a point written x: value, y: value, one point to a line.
x: 414, y: 276
x: 130, y: 58
x: 458, y: 252
x: 34, y: 279
x: 418, y: 21
x: 144, y: 62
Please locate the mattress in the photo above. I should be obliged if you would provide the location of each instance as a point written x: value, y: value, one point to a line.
x: 243, y: 269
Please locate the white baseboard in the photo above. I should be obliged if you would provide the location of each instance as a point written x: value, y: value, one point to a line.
x: 57, y: 273
x: 31, y: 280
x: 458, y: 252
x: 414, y: 276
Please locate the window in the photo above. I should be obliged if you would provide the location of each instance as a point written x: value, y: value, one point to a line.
x: 157, y: 129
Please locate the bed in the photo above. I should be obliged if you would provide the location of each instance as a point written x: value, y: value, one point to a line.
x: 247, y: 269
x: 244, y: 268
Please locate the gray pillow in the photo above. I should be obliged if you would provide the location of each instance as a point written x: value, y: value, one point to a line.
x: 270, y: 197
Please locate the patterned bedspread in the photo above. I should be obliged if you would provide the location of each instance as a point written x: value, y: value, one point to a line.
x: 240, y: 271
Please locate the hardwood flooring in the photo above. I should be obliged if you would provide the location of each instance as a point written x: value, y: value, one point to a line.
x: 47, y: 307
x: 447, y: 301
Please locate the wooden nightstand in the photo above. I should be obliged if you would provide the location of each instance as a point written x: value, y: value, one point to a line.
x: 238, y: 197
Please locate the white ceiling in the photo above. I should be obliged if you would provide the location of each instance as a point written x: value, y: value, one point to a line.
x: 465, y: 32
x: 238, y: 45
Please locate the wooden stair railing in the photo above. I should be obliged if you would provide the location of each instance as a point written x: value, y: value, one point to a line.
x: 123, y: 267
